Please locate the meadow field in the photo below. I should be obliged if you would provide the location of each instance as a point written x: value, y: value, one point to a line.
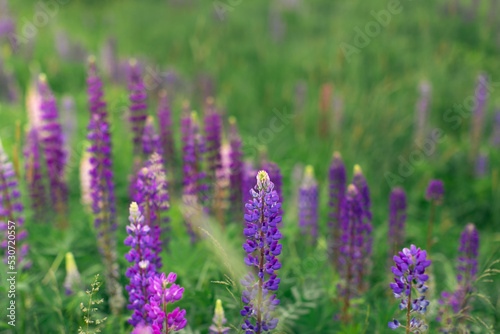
x: 408, y: 91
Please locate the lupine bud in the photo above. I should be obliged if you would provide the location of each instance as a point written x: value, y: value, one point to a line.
x: 219, y: 320
x: 73, y: 280
x: 409, y: 273
x: 11, y: 216
x: 337, y: 188
x: 397, y: 219
x: 138, y: 106
x: 34, y: 176
x: 308, y: 204
x: 162, y: 292
x: 262, y: 246
x: 435, y: 191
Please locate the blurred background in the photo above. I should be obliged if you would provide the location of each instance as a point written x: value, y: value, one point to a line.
x: 392, y: 85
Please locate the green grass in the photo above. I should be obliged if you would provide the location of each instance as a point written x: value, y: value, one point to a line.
x: 253, y: 76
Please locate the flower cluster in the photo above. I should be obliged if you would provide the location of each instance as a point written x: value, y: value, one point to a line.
x: 138, y: 107
x: 397, y: 218
x: 219, y: 320
x: 165, y: 123
x: 150, y: 139
x: 11, y: 212
x: 262, y: 246
x: 162, y: 292
x: 409, y: 273
x: 51, y: 139
x: 213, y: 133
x: 143, y: 268
x: 337, y: 187
x: 308, y: 204
x: 435, y: 191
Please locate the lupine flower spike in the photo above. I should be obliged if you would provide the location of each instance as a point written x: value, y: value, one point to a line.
x: 308, y: 204
x: 337, y: 188
x: 150, y: 139
x: 34, y: 176
x: 409, y: 275
x: 102, y: 186
x: 219, y: 320
x: 397, y: 219
x: 51, y: 138
x: 166, y: 135
x: 213, y: 128
x: 350, y: 259
x: 459, y: 301
x: 11, y: 217
x: 262, y: 246
x: 434, y: 194
x: 163, y: 291
x: 138, y: 106
x: 365, y: 237
x: 143, y: 265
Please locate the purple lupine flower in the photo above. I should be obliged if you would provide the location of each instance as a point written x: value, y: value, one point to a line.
x: 495, y: 136
x: 34, y: 176
x: 435, y: 191
x: 200, y: 151
x: 262, y: 246
x: 102, y: 185
x: 481, y: 167
x: 397, y: 219
x: 51, y: 139
x: 162, y: 292
x: 308, y: 204
x: 11, y: 216
x: 150, y: 139
x: 459, y: 300
x: 365, y: 237
x: 481, y: 96
x: 422, y: 113
x: 275, y: 174
x: 142, y: 269
x: 153, y: 198
x: 138, y: 106
x: 219, y: 320
x: 166, y: 135
x: 235, y: 167
x: 350, y: 258
x: 337, y: 188
x: 409, y: 274
x: 213, y: 129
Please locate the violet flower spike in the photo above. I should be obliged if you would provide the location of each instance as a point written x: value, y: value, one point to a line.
x: 138, y: 106
x: 166, y: 133
x: 262, y: 246
x: 102, y: 186
x: 142, y: 266
x: 150, y: 139
x: 409, y: 275
x: 219, y: 320
x: 162, y: 292
x: 213, y: 134
x: 350, y: 259
x: 34, y: 176
x: 11, y: 216
x: 337, y: 188
x: 397, y: 219
x: 51, y: 139
x: 308, y: 204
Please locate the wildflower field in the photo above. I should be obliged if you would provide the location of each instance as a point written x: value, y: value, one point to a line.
x: 237, y: 166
